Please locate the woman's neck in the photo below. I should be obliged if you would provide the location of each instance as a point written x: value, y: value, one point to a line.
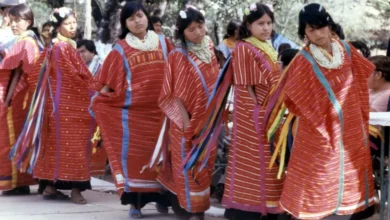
x: 327, y: 47
x: 141, y: 36
x: 382, y: 87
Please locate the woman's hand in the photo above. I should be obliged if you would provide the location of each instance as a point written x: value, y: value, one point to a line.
x: 186, y: 123
x: 184, y: 114
x: 106, y: 89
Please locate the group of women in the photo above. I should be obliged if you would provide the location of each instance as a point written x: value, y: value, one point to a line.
x: 152, y: 95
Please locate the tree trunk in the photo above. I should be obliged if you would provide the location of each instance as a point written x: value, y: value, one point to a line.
x: 88, y: 20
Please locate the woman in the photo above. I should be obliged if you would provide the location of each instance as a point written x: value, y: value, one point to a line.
x: 59, y: 114
x: 129, y: 83
x: 251, y: 188
x: 379, y: 84
x: 325, y: 87
x: 14, y: 96
x: 229, y: 41
x: 190, y: 77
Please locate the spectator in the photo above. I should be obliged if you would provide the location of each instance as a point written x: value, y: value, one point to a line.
x: 88, y: 52
x: 157, y: 24
x: 278, y: 40
x: 283, y: 47
x: 46, y: 33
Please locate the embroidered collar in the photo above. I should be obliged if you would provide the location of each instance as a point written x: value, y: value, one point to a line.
x: 263, y: 46
x: 30, y: 33
x: 202, y: 50
x: 65, y: 39
x: 326, y: 60
x: 150, y: 42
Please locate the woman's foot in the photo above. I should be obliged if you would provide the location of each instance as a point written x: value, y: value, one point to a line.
x: 18, y: 191
x: 197, y: 217
x: 135, y: 213
x: 162, y: 209
x: 77, y: 198
x: 51, y: 193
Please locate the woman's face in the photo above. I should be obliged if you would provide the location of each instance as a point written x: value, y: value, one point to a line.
x: 157, y: 27
x: 318, y: 36
x: 137, y: 24
x: 46, y: 32
x: 18, y: 25
x: 261, y: 28
x: 68, y: 27
x: 374, y: 80
x: 195, y: 32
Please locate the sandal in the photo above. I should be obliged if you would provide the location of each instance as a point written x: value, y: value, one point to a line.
x: 54, y: 196
x: 78, y: 199
x: 162, y: 209
x: 18, y: 191
x: 135, y: 213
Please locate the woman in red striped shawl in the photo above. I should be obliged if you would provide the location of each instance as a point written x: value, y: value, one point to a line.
x: 54, y: 141
x: 190, y: 77
x: 127, y: 111
x: 14, y: 96
x: 329, y: 174
x: 252, y: 189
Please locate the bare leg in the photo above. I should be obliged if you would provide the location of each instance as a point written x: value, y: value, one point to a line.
x: 77, y: 197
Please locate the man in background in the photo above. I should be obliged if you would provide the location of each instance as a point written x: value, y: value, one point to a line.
x: 87, y: 50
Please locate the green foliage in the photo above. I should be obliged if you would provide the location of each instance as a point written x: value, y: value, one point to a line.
x: 41, y: 12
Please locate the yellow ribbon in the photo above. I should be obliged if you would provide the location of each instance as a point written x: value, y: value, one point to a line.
x: 375, y: 132
x: 281, y: 144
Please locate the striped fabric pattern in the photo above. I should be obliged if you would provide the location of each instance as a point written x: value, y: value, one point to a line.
x: 182, y: 81
x: 65, y: 155
x: 323, y: 178
x: 25, y: 51
x: 129, y: 117
x: 99, y: 157
x: 247, y: 186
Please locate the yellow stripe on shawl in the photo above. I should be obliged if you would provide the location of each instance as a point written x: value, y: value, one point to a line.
x: 11, y: 132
